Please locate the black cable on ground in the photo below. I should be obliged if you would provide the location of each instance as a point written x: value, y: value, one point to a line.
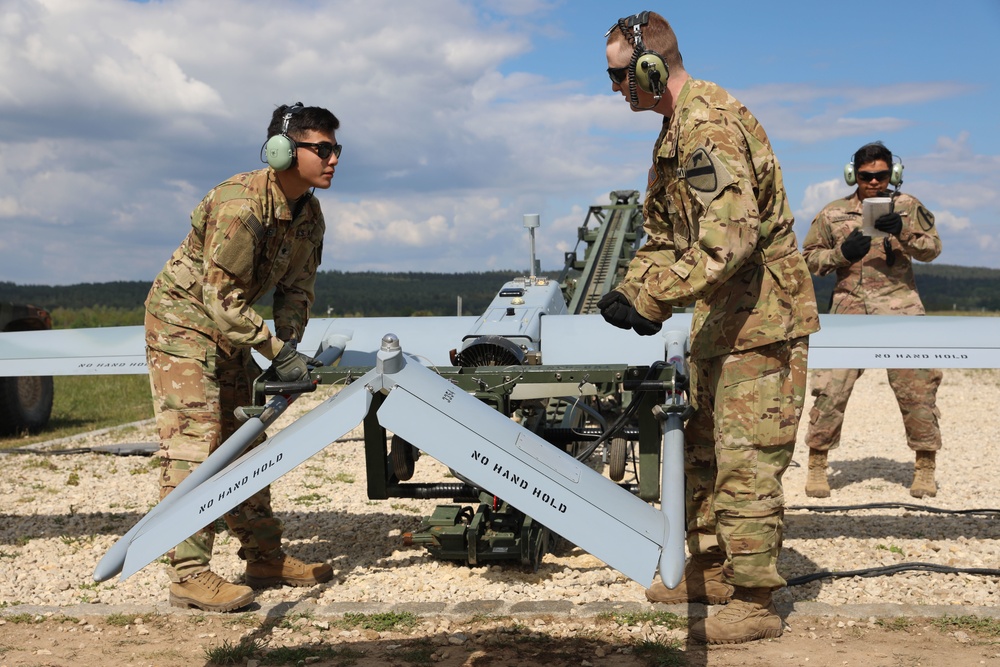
x: 889, y: 570
x: 871, y: 506
x: 893, y: 569
x: 135, y: 449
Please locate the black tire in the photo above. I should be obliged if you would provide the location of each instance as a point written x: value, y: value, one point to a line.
x: 25, y: 404
x: 403, y: 457
x: 540, y: 547
x: 617, y: 458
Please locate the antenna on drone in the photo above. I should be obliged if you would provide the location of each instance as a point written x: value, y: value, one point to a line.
x: 531, y: 222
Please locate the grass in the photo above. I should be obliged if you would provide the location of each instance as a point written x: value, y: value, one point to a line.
x: 984, y: 627
x: 895, y: 624
x: 297, y: 656
x: 892, y: 548
x: 660, y: 654
x: 234, y: 654
x: 418, y: 653
x: 84, y: 403
x: 309, y: 499
x: 122, y: 620
x: 251, y: 647
x: 661, y: 618
x: 380, y: 622
x: 25, y: 618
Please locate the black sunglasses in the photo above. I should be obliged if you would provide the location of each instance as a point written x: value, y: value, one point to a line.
x: 618, y: 74
x: 324, y: 149
x: 865, y: 176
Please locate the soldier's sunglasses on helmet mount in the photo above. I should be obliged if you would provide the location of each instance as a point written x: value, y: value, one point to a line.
x: 865, y: 176
x: 618, y: 74
x: 324, y: 149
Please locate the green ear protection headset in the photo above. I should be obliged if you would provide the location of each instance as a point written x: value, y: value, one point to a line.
x: 647, y: 69
x: 895, y: 175
x: 280, y: 149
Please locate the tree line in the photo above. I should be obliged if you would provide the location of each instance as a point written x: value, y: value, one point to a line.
x: 942, y: 287
x: 405, y: 294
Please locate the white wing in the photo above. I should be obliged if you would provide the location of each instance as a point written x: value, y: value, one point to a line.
x: 844, y: 341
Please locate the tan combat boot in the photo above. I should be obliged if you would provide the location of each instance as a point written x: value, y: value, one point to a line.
x: 210, y: 592
x: 286, y: 570
x: 817, y: 486
x: 702, y: 582
x: 749, y: 616
x: 923, y: 476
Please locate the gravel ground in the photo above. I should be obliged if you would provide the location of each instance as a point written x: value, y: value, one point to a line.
x: 62, y: 512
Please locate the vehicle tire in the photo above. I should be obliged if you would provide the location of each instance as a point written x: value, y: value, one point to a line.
x: 25, y: 404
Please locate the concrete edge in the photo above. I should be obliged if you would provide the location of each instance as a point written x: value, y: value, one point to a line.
x: 498, y: 608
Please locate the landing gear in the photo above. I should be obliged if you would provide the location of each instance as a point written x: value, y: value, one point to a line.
x: 617, y: 458
x: 403, y: 456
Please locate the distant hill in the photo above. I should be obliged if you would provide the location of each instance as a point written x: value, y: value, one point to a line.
x: 942, y: 287
x: 337, y: 293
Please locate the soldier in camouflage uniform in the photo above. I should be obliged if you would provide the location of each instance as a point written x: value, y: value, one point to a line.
x: 873, y: 279
x: 720, y: 238
x: 256, y: 232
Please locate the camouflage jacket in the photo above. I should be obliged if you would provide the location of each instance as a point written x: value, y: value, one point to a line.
x: 871, y: 285
x: 243, y: 243
x: 720, y: 231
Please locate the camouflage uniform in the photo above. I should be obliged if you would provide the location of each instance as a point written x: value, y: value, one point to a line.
x: 200, y: 328
x: 720, y: 237
x: 874, y: 285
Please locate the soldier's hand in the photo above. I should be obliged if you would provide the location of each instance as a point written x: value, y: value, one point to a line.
x: 855, y: 246
x: 615, y: 309
x: 890, y: 223
x: 290, y: 365
x: 642, y: 326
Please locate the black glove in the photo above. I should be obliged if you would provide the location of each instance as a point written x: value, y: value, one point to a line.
x: 855, y: 246
x: 642, y: 326
x: 290, y: 365
x: 890, y: 223
x: 615, y: 309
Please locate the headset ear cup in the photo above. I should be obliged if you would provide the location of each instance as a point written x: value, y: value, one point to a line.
x: 280, y: 152
x: 896, y: 178
x: 650, y: 68
x: 849, y: 174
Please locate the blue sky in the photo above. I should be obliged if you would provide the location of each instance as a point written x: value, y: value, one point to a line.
x: 458, y: 117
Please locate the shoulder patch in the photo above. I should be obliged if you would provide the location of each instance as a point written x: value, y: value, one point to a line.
x: 700, y: 172
x: 925, y: 219
x: 706, y: 174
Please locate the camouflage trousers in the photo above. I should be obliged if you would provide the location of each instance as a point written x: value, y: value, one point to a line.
x: 738, y: 444
x: 916, y: 394
x: 197, y: 384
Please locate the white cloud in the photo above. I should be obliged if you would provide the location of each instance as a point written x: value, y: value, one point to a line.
x: 956, y: 155
x: 116, y: 117
x: 818, y: 195
x: 9, y: 207
x: 948, y: 221
x: 813, y: 113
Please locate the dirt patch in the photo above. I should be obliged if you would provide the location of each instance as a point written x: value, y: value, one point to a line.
x: 184, y: 638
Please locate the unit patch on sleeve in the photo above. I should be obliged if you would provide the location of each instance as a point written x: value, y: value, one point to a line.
x: 706, y: 174
x: 925, y: 218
